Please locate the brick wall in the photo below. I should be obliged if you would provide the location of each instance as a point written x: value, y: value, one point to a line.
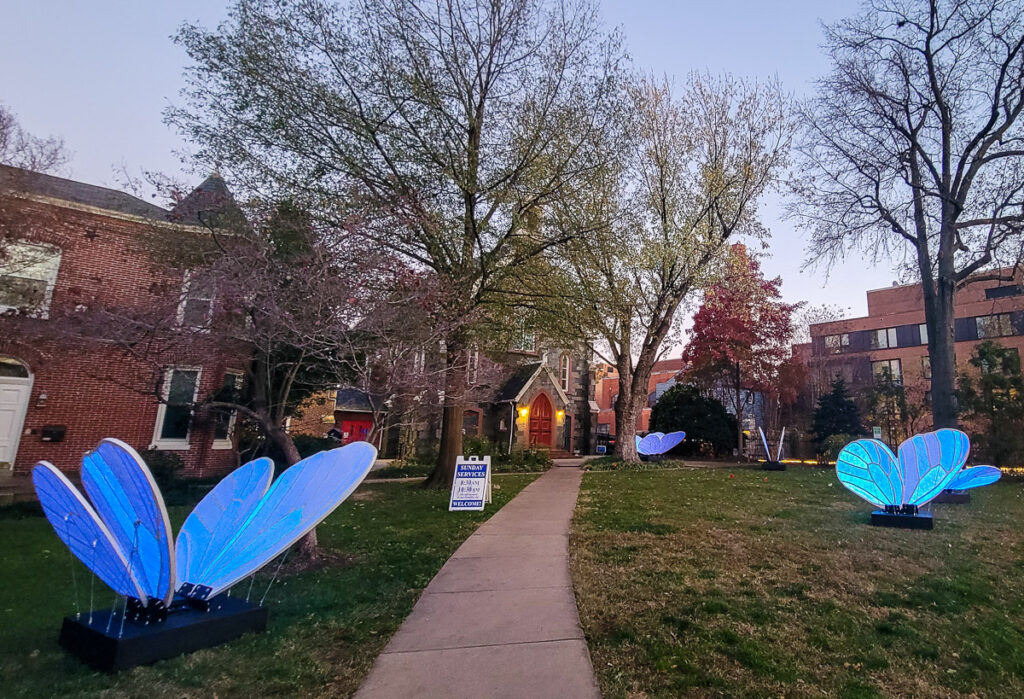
x: 92, y: 388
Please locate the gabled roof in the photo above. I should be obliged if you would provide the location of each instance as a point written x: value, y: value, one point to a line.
x: 209, y: 204
x: 522, y: 379
x: 29, y: 182
x: 352, y: 400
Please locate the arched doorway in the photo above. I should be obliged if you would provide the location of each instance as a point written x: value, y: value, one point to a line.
x: 541, y: 422
x: 15, y: 388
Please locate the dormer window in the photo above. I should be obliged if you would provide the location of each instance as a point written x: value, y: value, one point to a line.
x: 28, y: 273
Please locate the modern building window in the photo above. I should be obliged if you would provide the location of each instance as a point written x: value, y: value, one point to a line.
x: 174, y: 416
x: 999, y: 292
x: 836, y: 344
x: 604, y: 428
x: 998, y: 325
x: 196, y: 307
x: 28, y: 272
x: 565, y: 371
x: 224, y: 420
x: 923, y: 329
x: 926, y: 367
x: 883, y: 338
x: 887, y: 368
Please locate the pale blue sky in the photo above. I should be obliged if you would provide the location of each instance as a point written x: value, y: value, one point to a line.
x: 100, y: 72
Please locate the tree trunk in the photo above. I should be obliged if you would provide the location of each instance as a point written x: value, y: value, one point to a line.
x: 451, y: 417
x: 308, y: 547
x: 625, y: 422
x: 941, y: 349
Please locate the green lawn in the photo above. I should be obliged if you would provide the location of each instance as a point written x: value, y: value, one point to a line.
x: 693, y: 583
x: 326, y: 626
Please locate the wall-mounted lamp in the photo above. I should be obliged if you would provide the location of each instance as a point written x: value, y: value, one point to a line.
x: 523, y: 412
x: 41, y: 400
x: 561, y: 414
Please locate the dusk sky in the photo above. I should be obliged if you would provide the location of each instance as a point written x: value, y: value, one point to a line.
x: 100, y: 74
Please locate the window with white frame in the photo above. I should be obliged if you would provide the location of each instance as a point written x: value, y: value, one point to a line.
x: 836, y: 344
x: 473, y: 366
x: 883, y: 338
x: 28, y: 272
x: 526, y: 341
x: 174, y: 416
x: 926, y: 367
x: 419, y: 361
x: 196, y: 307
x: 224, y: 420
x: 923, y: 330
x: 565, y: 372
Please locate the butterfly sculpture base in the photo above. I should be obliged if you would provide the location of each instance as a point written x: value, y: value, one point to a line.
x: 921, y: 520
x: 104, y: 645
x: 773, y: 466
x: 954, y: 497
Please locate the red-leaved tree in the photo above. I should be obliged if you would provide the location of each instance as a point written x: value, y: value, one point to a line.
x: 741, y: 339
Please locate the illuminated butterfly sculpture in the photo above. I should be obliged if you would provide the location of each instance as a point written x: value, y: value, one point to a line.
x: 657, y: 443
x: 927, y: 464
x: 122, y: 532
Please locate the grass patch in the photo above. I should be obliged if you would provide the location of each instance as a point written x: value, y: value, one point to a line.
x: 762, y: 584
x: 326, y: 625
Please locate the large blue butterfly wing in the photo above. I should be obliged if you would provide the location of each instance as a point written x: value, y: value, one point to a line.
x: 869, y: 469
x: 648, y: 446
x: 296, y: 502
x: 670, y: 440
x: 77, y: 525
x: 639, y: 441
x: 975, y: 477
x: 218, y: 517
x: 930, y: 462
x: 128, y: 501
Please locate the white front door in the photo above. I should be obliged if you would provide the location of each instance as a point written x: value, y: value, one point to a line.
x: 14, y: 393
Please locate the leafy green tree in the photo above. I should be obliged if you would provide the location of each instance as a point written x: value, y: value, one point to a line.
x: 708, y: 425
x: 993, y: 401
x: 443, y: 128
x: 836, y: 414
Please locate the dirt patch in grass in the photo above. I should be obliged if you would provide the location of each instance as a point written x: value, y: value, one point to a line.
x: 775, y: 585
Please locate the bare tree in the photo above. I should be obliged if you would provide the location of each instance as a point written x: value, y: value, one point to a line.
x: 447, y: 123
x: 19, y: 148
x: 913, y: 146
x: 688, y: 173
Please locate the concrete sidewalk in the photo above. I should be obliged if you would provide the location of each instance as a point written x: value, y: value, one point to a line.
x: 499, y: 619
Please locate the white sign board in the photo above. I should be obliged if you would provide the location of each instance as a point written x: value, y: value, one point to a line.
x: 471, y: 488
x: 876, y: 432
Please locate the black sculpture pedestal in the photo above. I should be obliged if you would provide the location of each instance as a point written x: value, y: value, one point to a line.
x: 186, y: 629
x: 921, y: 520
x: 773, y: 466
x: 954, y: 497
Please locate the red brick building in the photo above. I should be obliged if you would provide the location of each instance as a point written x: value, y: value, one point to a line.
x: 892, y: 340
x: 70, y: 247
x: 606, y: 385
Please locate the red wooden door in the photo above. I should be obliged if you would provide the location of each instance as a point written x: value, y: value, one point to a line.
x: 540, y: 421
x: 355, y: 430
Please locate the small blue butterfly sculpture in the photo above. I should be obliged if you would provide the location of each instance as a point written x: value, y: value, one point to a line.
x: 658, y: 442
x: 927, y: 464
x: 122, y: 532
